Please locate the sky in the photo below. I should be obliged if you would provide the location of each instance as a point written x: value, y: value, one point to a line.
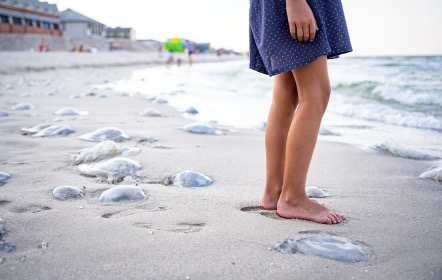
x: 376, y: 27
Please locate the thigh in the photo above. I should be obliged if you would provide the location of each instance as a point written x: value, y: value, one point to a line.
x: 284, y: 90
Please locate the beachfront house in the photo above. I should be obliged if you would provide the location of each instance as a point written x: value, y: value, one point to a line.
x: 29, y: 17
x: 120, y: 33
x: 77, y: 25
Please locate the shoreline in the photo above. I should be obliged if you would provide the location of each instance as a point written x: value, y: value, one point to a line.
x: 19, y: 62
x: 217, y: 232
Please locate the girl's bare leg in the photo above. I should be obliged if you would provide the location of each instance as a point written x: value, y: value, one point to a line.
x: 285, y: 100
x: 313, y: 88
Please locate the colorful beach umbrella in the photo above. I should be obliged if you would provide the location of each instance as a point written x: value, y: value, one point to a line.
x: 174, y: 45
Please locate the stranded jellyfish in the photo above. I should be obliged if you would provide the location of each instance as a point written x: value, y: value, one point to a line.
x: 67, y: 193
x: 316, y: 192
x: 4, y: 177
x: 114, y: 169
x: 54, y: 131
x: 23, y: 106
x: 122, y: 193
x: 201, y: 128
x: 189, y: 179
x: 70, y: 112
x: 48, y: 130
x: 326, y: 246
x: 191, y: 110
x: 151, y: 112
x: 106, y: 133
x: 103, y: 150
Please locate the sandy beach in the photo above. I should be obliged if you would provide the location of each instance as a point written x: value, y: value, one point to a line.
x: 213, y: 232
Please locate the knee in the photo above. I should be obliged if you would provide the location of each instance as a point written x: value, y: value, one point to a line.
x: 317, y: 100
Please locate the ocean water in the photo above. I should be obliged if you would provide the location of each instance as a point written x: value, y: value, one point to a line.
x: 393, y: 102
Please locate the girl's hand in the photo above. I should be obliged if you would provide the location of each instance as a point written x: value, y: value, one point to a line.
x: 301, y: 20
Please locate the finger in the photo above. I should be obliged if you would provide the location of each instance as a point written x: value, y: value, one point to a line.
x: 299, y: 33
x: 312, y: 29
x: 293, y: 31
x: 305, y: 33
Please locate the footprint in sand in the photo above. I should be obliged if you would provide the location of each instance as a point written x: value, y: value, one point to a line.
x: 177, y: 228
x: 33, y: 208
x: 139, y: 209
x: 260, y: 210
x: 186, y: 228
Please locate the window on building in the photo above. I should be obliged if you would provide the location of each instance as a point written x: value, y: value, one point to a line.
x: 38, y: 23
x: 29, y: 22
x: 4, y: 19
x: 56, y: 27
x: 16, y: 20
x: 46, y: 25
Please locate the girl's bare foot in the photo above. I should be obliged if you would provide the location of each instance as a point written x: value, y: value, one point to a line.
x: 307, y: 209
x: 270, y: 198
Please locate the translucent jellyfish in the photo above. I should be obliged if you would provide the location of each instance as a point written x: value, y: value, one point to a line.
x: 23, y: 106
x: 151, y: 112
x: 70, y: 112
x: 89, y: 94
x: 26, y: 94
x: 4, y: 114
x: 106, y: 133
x: 202, y: 128
x: 392, y: 147
x: 191, y: 110
x: 122, y: 193
x: 75, y: 96
x: 67, y: 193
x: 34, y: 129
x: 434, y: 172
x: 316, y: 192
x: 160, y: 100
x: 326, y: 246
x: 147, y: 139
x: 113, y: 170
x: 55, y: 131
x: 4, y: 177
x: 103, y: 150
x: 189, y: 179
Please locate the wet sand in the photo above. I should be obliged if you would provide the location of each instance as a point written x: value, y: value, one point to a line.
x: 213, y: 232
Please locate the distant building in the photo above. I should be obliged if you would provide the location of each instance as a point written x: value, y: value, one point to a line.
x: 29, y: 17
x: 152, y: 43
x: 79, y: 26
x: 121, y: 33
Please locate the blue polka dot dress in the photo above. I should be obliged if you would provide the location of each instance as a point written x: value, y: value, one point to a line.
x: 272, y: 48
